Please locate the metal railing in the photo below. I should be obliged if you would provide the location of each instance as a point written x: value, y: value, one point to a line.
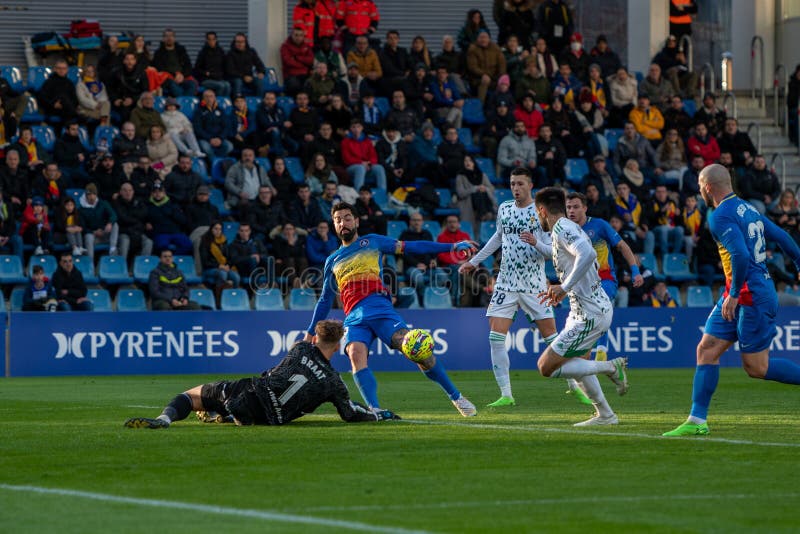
x: 762, y: 64
x: 780, y: 87
x: 758, y: 134
x: 688, y: 50
x: 707, y: 67
x: 725, y: 97
x: 775, y: 156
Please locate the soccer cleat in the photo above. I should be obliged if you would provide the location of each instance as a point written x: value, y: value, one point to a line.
x: 599, y: 420
x: 502, y: 402
x: 620, y: 375
x: 465, y: 407
x: 144, y: 422
x: 600, y: 356
x: 213, y: 417
x: 688, y: 429
x: 580, y: 395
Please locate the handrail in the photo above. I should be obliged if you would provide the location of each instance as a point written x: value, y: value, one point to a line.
x: 710, y: 68
x: 758, y: 134
x: 779, y: 112
x: 726, y: 96
x: 757, y: 39
x: 688, y: 51
x: 783, y: 168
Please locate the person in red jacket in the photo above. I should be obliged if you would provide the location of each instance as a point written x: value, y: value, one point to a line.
x: 35, y: 228
x: 703, y: 144
x: 463, y: 287
x: 531, y: 116
x: 297, y: 59
x: 317, y: 18
x: 358, y: 154
x: 358, y: 17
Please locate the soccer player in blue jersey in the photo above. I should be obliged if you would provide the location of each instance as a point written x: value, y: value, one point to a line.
x: 746, y: 310
x: 355, y: 269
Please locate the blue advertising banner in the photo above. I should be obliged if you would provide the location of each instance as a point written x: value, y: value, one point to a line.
x: 52, y: 344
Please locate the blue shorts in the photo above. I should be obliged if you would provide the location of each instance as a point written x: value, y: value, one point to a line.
x: 373, y: 317
x: 754, y: 327
x: 610, y: 287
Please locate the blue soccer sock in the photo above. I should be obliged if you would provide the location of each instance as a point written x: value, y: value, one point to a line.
x: 439, y: 375
x: 782, y: 370
x: 706, y: 378
x: 368, y: 386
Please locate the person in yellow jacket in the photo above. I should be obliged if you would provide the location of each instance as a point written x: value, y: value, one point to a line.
x: 647, y: 119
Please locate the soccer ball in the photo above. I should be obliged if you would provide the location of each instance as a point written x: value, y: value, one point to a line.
x: 418, y: 345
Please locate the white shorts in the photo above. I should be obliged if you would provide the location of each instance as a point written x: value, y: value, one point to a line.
x: 506, y: 303
x: 579, y: 335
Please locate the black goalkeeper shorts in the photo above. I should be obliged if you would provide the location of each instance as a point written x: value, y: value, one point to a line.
x: 215, y: 394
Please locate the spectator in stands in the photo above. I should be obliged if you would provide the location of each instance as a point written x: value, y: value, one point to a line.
x: 358, y: 18
x: 468, y: 34
x: 325, y: 53
x: 71, y: 155
x: 633, y: 146
x: 109, y: 62
x: 141, y: 51
x: 656, y: 87
x: 370, y: 114
x: 647, y: 120
x: 545, y: 60
x: 624, y: 94
x: 200, y: 213
x: 143, y: 177
x: 485, y: 64
x: 247, y: 253
x: 517, y: 18
x: 215, y: 260
x: 676, y: 117
x: 703, y: 143
x: 597, y: 88
x: 57, y: 95
x: 447, y: 100
x: 516, y: 150
x: 14, y: 183
x: 576, y: 57
x: 172, y: 58
x: 50, y: 185
x: 270, y: 119
x: 165, y: 222
x: 605, y: 57
x: 70, y: 287
x: 263, y: 214
x: 213, y: 127
x: 556, y: 23
x: 665, y: 221
x: 690, y: 181
x: 453, y: 62
x: 372, y: 220
x: 244, y: 69
x: 515, y: 56
x: 671, y: 157
x: 303, y: 16
x: 551, y: 156
x: 210, y: 66
x: 419, y: 52
x: 599, y: 177
x: 451, y: 154
x: 244, y: 124
x: 99, y: 222
x: 420, y: 269
x: 168, y: 288
x: 182, y: 181
x: 738, y: 143
x: 499, y: 124
x: 302, y: 122
x: 303, y: 212
x: 353, y: 84
x: 144, y: 116
x: 636, y: 180
x: 395, y: 63
x: 92, y: 96
x: 128, y: 147
x: 126, y: 85
x: 107, y: 177
x: 586, y: 127
x: 131, y: 217
x: 282, y: 182
x: 710, y: 115
x: 369, y: 65
x: 392, y: 153
x: 422, y: 157
x: 320, y: 86
x: 290, y: 255
x: 8, y: 122
x: 674, y: 65
x: 680, y: 17
x: 12, y: 104
x: 785, y: 214
x: 596, y: 205
x: 35, y: 228
x: 244, y: 178
x: 417, y: 89
x: 39, y: 293
x: 162, y: 151
x: 630, y: 210
x: 660, y: 297
x: 328, y: 197
x: 319, y: 245
x: 318, y: 173
x: 566, y: 86
x: 760, y: 186
x: 358, y: 154
x: 533, y: 82
x: 693, y: 220
x: 325, y: 144
x: 406, y: 120
x: 338, y: 115
x: 32, y: 156
x: 529, y: 115
x: 461, y: 287
x: 180, y: 130
x: 475, y: 194
x: 10, y: 240
x: 792, y: 98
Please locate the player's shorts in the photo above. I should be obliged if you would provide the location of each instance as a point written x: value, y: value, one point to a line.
x: 754, y: 327
x: 579, y: 335
x: 505, y: 304
x: 610, y: 288
x: 215, y: 394
x: 373, y: 317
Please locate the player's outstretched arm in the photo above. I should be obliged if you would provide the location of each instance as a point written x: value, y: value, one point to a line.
x: 323, y: 306
x: 491, y: 246
x: 354, y: 412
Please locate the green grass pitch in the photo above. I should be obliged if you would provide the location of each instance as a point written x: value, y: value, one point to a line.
x: 68, y: 465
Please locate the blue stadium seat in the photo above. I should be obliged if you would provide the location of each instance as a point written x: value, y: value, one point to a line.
x: 699, y: 297
x: 188, y: 268
x: 3, y: 311
x: 612, y: 137
x: 74, y: 73
x: 576, y: 169
x: 286, y: 103
x: 465, y: 136
x: 639, y: 76
x: 219, y: 167
x: 11, y: 271
x: 101, y: 300
x: 437, y: 298
x: 188, y: 105
x: 113, y: 270
x: 85, y: 265
x: 466, y: 226
x: 36, y: 77
x: 690, y: 107
x: 395, y: 228
x: 269, y: 300
x: 550, y: 271
x: 501, y: 194
x: 382, y: 103
x: 252, y: 103
x: 217, y: 199
x: 104, y: 137
x: 47, y: 262
x: 14, y: 78
x: 199, y: 166
x: 264, y: 163
x: 45, y: 136
x: 16, y: 299
x: 444, y: 209
x: 230, y: 229
x: 676, y: 294
x: 302, y: 299
x: 407, y: 298
x: 648, y: 261
x: 131, y: 300
x: 488, y: 263
x: 225, y: 104
x: 204, y: 297
x: 488, y: 228
x: 142, y: 267
x: 433, y: 227
x: 295, y: 169
x: 234, y: 300
x: 159, y: 103
x: 381, y: 198
x: 473, y: 112
x: 676, y: 268
x: 32, y: 113
x: 486, y: 165
x: 271, y: 81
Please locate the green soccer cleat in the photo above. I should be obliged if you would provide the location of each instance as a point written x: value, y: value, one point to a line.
x: 502, y: 402
x: 144, y: 422
x: 620, y: 375
x: 580, y: 395
x: 688, y: 429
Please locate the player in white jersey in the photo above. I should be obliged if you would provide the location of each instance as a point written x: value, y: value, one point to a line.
x: 521, y: 277
x: 590, y: 313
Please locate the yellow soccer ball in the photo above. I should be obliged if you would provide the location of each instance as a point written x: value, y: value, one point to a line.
x: 418, y: 345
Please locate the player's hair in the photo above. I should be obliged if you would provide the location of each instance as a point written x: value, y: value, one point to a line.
x: 329, y: 332
x: 522, y: 171
x: 553, y: 199
x: 343, y: 206
x: 579, y: 196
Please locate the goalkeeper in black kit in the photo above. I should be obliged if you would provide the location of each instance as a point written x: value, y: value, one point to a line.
x: 302, y: 381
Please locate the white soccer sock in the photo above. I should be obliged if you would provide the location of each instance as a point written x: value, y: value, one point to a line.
x: 578, y: 368
x: 164, y: 418
x: 593, y: 390
x: 695, y: 420
x: 572, y: 384
x: 500, y: 362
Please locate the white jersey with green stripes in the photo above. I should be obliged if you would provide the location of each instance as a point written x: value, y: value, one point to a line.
x: 522, y: 265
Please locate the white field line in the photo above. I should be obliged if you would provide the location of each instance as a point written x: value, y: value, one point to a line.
x: 277, y: 517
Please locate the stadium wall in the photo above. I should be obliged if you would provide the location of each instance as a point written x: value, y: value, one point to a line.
x: 117, y: 343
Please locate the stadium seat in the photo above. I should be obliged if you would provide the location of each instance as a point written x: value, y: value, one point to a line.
x: 295, y: 169
x: 187, y: 105
x: 252, y: 103
x: 488, y: 263
x: 264, y: 163
x: 612, y: 137
x: 407, y: 298
x: 230, y: 229
x: 437, y: 298
x: 76, y: 194
x: 47, y: 261
x: 286, y: 103
x: 104, y: 137
x: 14, y: 78
x: 486, y: 165
x: 395, y: 228
x: 188, y: 268
x: 16, y: 299
x: 382, y: 103
x: 36, y: 77
x: 676, y: 268
x: 433, y: 227
x: 381, y: 198
x: 234, y: 300
x: 45, y: 136
x: 302, y: 299
x: 3, y: 311
x: 473, y: 112
x: 159, y: 103
x: 131, y: 300
x: 444, y: 209
x: 648, y: 261
x: 113, y: 270
x: 466, y: 226
x: 11, y: 271
x: 269, y: 300
x: 690, y: 107
x: 550, y: 271
x: 488, y: 228
x: 699, y: 297
x: 219, y: 167
x: 101, y: 300
x: 501, y: 194
x: 217, y: 199
x: 465, y: 136
x: 639, y: 76
x: 271, y: 81
x: 225, y: 104
x: 74, y: 73
x: 676, y: 294
x: 204, y: 297
x: 85, y: 265
x: 199, y: 166
x: 576, y: 169
x: 142, y: 267
x: 32, y: 113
